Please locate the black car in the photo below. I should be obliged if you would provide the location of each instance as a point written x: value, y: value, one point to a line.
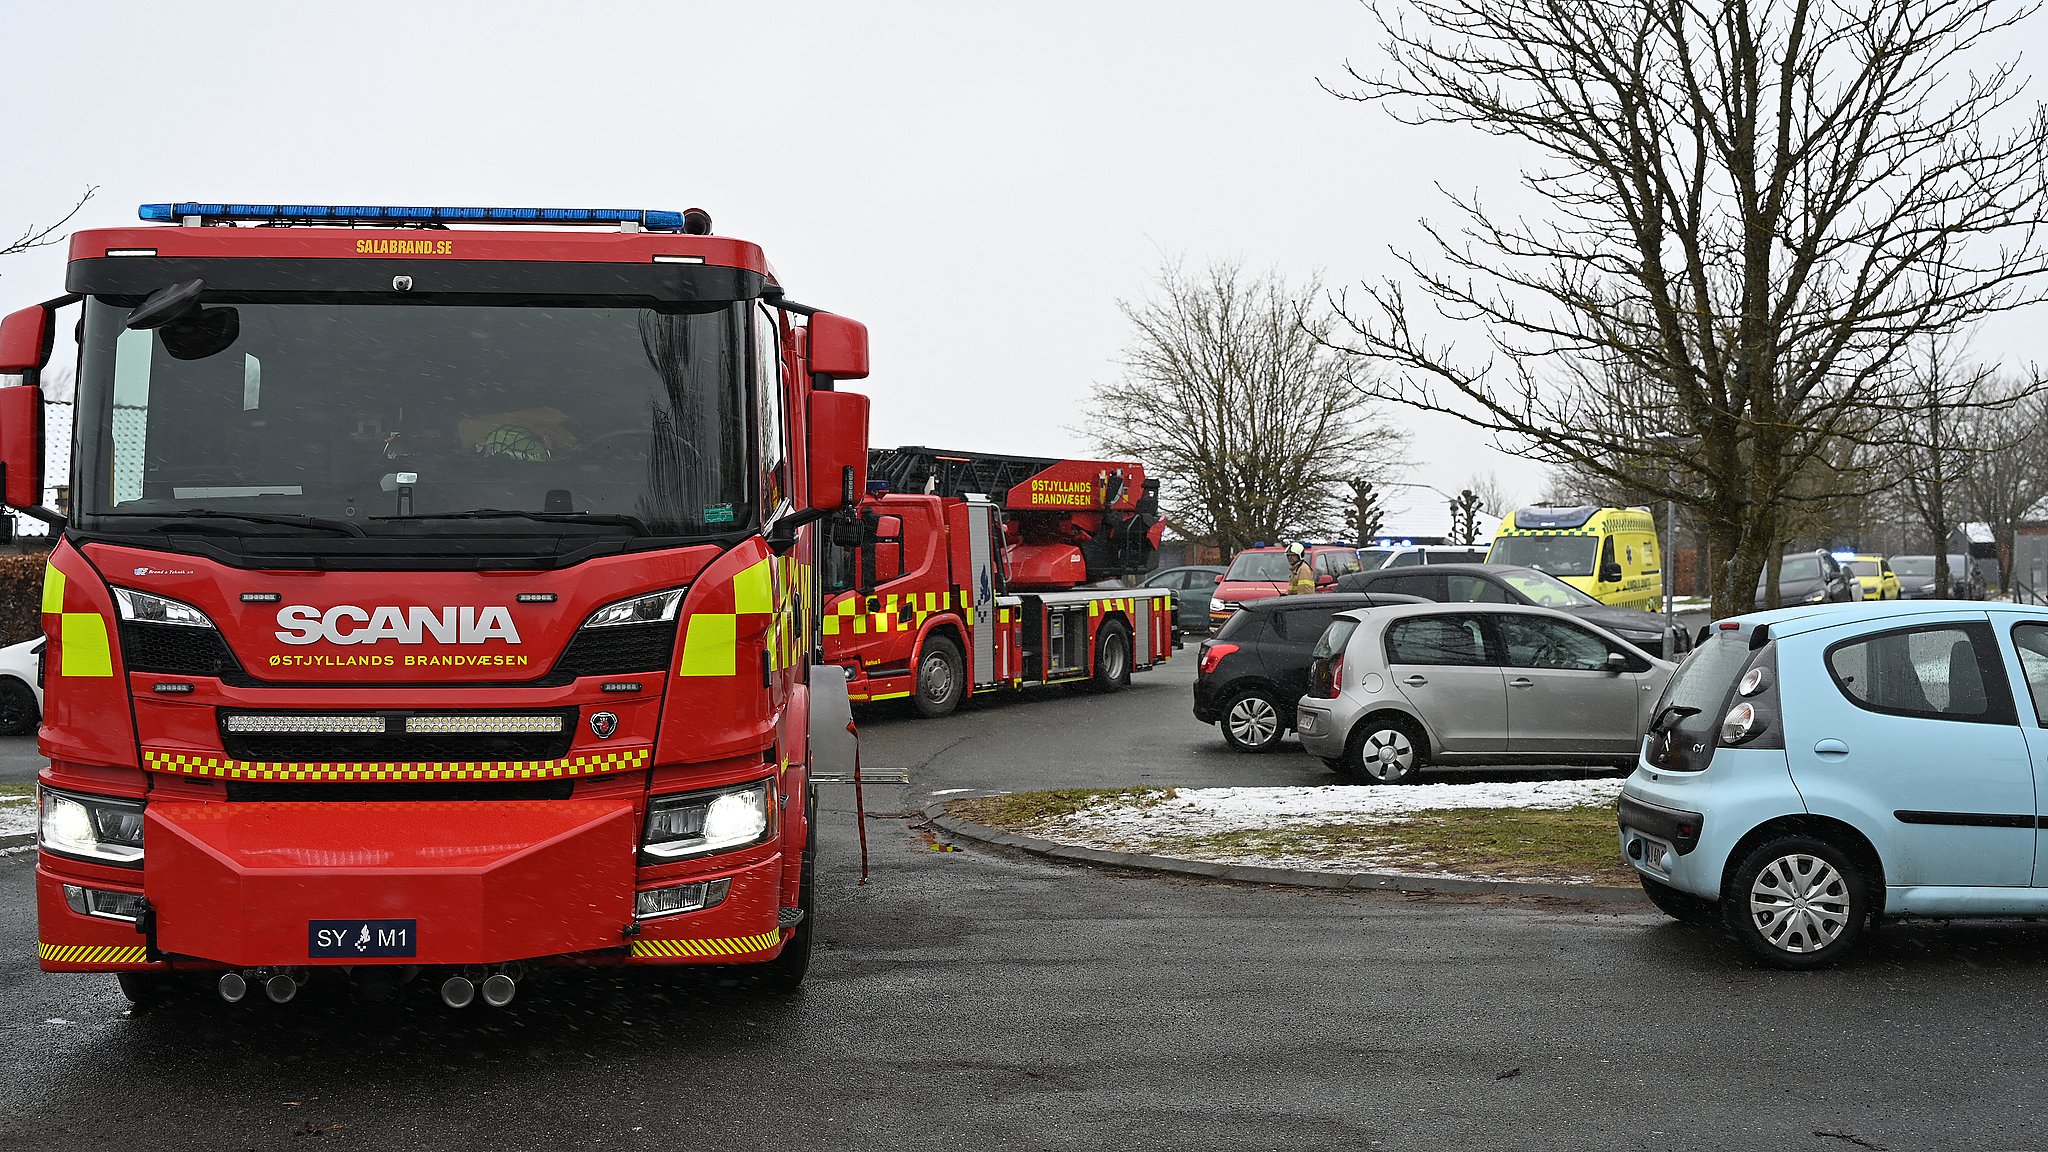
x: 1514, y: 584
x: 1916, y: 578
x: 1254, y: 669
x: 1812, y: 578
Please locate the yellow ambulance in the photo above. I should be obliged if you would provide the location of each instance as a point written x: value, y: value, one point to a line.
x: 1609, y: 554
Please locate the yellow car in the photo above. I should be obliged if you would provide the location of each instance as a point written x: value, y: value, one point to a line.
x: 1874, y: 573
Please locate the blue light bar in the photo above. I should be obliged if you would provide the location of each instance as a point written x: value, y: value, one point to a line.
x: 652, y: 219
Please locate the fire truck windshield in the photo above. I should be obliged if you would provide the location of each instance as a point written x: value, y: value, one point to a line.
x: 289, y: 418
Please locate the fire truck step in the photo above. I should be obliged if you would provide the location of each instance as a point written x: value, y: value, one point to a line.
x: 789, y: 917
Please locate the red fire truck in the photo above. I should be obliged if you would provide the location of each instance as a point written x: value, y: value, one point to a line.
x: 965, y: 573
x: 436, y: 597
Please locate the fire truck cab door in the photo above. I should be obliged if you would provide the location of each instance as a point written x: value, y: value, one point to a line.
x: 985, y: 577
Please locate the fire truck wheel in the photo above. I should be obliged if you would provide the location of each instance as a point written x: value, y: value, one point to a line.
x: 941, y: 677
x: 1112, y: 657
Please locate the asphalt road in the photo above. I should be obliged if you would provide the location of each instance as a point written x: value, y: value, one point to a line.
x: 977, y: 1000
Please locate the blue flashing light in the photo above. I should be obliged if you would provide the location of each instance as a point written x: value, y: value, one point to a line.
x: 1844, y: 554
x: 653, y: 220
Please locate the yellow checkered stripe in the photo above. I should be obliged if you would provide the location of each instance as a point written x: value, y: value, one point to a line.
x: 1126, y: 604
x: 1549, y: 532
x: 91, y: 953
x: 731, y: 946
x: 228, y: 768
x: 847, y: 617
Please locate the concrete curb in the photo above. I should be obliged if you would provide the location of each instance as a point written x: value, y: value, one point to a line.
x: 953, y: 825
x: 19, y: 840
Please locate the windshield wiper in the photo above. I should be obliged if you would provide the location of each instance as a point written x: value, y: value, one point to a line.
x: 620, y: 519
x: 286, y: 519
x: 1672, y: 712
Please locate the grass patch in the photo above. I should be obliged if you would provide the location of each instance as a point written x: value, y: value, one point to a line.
x: 1569, y: 844
x: 11, y: 790
x: 1028, y: 811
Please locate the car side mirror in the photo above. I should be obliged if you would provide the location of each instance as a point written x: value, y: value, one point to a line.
x: 1610, y: 572
x: 1616, y: 662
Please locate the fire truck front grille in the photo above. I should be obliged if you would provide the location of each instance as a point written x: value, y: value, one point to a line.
x: 177, y: 651
x: 621, y: 649
x: 268, y: 791
x: 395, y: 744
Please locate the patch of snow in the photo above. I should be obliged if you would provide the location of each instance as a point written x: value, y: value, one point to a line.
x: 1173, y: 827
x: 17, y: 817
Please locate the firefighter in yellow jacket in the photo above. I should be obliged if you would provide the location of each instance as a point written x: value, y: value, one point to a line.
x: 1300, y: 577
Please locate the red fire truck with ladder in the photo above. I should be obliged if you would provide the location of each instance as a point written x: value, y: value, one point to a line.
x: 966, y: 573
x: 436, y: 597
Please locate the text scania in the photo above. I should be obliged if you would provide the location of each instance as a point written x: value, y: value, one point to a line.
x: 348, y: 624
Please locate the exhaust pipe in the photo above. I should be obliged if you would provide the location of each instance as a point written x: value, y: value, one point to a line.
x: 233, y: 987
x: 458, y: 992
x: 499, y: 989
x: 281, y: 988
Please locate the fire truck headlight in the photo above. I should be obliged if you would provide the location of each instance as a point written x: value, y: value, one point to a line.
x: 144, y: 608
x: 696, y: 823
x: 653, y: 608
x: 92, y: 828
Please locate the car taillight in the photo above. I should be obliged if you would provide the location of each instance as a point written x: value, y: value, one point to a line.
x: 1212, y: 655
x: 1336, y: 685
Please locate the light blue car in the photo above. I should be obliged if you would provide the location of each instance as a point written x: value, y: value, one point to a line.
x: 1809, y: 770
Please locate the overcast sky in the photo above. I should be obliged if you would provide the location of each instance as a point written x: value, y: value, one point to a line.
x: 978, y: 183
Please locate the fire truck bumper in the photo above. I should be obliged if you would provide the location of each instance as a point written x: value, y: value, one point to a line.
x: 257, y: 884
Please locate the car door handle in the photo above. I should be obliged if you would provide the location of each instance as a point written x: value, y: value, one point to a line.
x: 1830, y: 748
x: 1416, y: 681
x: 1521, y: 682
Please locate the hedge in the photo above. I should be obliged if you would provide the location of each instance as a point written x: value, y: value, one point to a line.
x: 21, y: 595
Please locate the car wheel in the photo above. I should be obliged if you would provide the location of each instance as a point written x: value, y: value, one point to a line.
x: 18, y: 712
x: 1385, y: 750
x: 1112, y: 657
x: 1796, y: 902
x: 941, y: 678
x: 1251, y: 721
x: 1681, y: 906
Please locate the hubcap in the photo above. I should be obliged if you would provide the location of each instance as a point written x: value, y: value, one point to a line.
x: 1113, y: 658
x: 1388, y: 754
x: 1799, y: 903
x: 1253, y: 720
x: 936, y: 677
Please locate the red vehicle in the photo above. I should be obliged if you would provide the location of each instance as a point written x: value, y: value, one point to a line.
x: 1257, y: 573
x: 436, y: 596
x: 967, y: 575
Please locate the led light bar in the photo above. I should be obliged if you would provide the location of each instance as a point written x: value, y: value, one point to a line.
x: 652, y: 902
x: 652, y: 219
x: 422, y: 725
x: 320, y: 725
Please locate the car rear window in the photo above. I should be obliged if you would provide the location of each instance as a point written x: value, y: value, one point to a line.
x: 1334, y: 638
x: 1708, y: 674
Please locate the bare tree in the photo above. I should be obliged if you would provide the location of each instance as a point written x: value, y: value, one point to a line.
x: 2006, y: 485
x: 1231, y: 394
x: 1938, y: 446
x: 38, y: 235
x: 1495, y: 499
x: 1756, y: 207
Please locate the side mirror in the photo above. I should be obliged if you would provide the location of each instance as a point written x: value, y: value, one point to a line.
x: 25, y: 338
x: 21, y: 445
x: 838, y: 347
x: 838, y: 439
x: 1616, y: 662
x: 1610, y: 573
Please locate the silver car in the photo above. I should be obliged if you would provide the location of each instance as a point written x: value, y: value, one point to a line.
x: 1394, y: 689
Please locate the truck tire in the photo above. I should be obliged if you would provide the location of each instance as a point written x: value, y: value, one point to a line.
x: 941, y: 678
x: 1112, y: 657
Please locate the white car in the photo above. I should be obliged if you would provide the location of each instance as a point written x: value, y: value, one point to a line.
x: 21, y: 687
